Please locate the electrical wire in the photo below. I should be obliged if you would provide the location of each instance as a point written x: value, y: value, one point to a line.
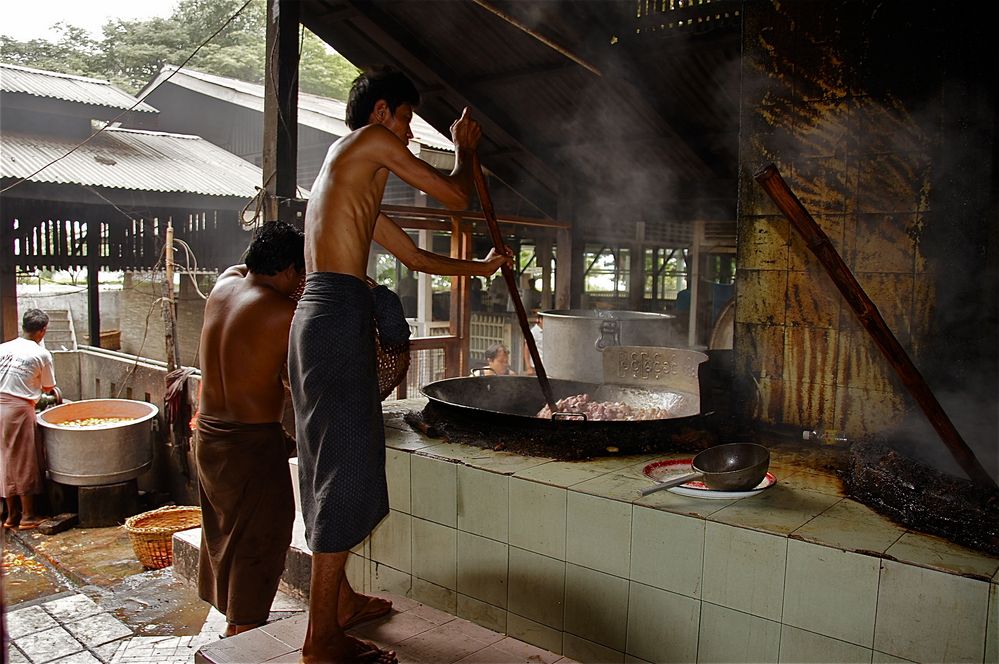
x: 130, y: 108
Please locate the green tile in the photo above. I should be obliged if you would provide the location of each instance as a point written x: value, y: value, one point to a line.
x: 536, y: 634
x: 587, y: 652
x: 481, y: 613
x: 800, y: 646
x: 926, y: 615
x: 598, y: 533
x: 744, y: 570
x: 667, y: 551
x: 831, y: 592
x: 435, y: 490
x: 561, y: 473
x: 505, y: 463
x: 390, y: 580
x: 537, y: 587
x: 596, y: 606
x: 992, y: 630
x: 625, y: 488
x: 484, y: 503
x: 727, y: 635
x: 482, y: 568
x: 779, y: 510
x: 392, y: 541
x: 435, y: 553
x: 397, y: 473
x: 406, y: 440
x: 851, y: 526
x: 930, y: 551
x: 436, y: 596
x: 537, y: 517
x: 662, y: 626
x: 357, y: 573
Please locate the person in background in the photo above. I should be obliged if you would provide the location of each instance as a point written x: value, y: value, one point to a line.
x: 247, y: 505
x: 538, y: 332
x: 497, y: 362
x: 26, y: 371
x: 331, y: 358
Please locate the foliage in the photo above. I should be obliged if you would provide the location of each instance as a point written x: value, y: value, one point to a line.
x: 132, y: 52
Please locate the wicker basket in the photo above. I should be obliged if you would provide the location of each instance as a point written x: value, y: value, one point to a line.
x: 393, y: 363
x: 151, y: 533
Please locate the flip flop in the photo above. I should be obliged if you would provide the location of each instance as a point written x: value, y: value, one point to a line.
x: 28, y: 525
x: 364, y: 615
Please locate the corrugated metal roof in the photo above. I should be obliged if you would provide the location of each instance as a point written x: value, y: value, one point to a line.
x: 132, y: 159
x: 79, y: 89
x: 320, y: 113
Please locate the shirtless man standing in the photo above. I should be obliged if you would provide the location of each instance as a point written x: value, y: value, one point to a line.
x: 331, y: 357
x: 247, y: 505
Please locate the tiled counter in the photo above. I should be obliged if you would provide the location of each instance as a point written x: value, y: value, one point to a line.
x: 569, y: 557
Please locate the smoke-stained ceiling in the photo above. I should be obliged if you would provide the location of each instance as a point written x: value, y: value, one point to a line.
x: 625, y: 105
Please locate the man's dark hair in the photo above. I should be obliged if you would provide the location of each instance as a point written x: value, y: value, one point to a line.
x: 34, y: 320
x: 275, y: 246
x: 378, y: 83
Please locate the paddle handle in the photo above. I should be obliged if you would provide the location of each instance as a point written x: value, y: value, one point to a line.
x: 511, y: 281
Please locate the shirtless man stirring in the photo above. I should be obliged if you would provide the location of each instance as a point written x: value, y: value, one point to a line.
x: 331, y: 358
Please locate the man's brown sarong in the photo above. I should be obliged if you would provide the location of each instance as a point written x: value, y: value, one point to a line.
x: 22, y: 457
x: 247, y: 512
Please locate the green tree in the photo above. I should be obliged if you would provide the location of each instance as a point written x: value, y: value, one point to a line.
x: 131, y: 53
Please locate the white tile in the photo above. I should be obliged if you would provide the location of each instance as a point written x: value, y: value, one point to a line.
x: 98, y: 630
x: 482, y: 568
x: 397, y: 473
x: 596, y: 606
x: 662, y: 626
x: 598, y: 533
x: 435, y: 490
x: 925, y: 615
x: 28, y: 620
x: 72, y: 607
x: 537, y: 517
x: 799, y: 646
x: 48, y: 644
x: 727, y: 635
x: 667, y: 551
x: 482, y: 613
x: 435, y: 553
x: 484, y: 503
x: 82, y: 657
x: 831, y: 592
x: 537, y: 587
x: 587, y: 652
x: 536, y: 634
x: 392, y: 541
x: 744, y: 570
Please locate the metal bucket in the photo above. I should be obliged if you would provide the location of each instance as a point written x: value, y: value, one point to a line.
x: 574, y: 339
x: 102, y: 454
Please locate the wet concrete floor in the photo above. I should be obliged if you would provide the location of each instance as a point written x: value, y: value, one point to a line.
x: 100, y: 563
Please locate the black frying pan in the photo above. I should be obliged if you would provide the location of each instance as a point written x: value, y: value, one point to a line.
x: 731, y: 467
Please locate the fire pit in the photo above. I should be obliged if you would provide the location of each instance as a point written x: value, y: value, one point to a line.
x: 101, y: 453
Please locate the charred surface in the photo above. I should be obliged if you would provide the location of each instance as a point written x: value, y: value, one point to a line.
x: 922, y: 498
x: 573, y: 442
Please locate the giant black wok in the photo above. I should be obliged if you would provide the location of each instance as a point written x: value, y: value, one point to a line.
x: 514, y: 401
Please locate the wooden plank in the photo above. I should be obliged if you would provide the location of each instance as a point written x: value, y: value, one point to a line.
x: 280, y: 147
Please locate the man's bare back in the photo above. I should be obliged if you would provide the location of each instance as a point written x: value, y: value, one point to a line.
x: 244, y: 346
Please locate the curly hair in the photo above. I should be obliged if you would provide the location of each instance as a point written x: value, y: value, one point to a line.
x: 378, y: 83
x: 275, y: 246
x: 34, y: 320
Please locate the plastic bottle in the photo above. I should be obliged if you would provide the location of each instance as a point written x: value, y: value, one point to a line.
x: 825, y: 436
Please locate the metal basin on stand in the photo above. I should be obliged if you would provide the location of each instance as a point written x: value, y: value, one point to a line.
x: 101, y: 454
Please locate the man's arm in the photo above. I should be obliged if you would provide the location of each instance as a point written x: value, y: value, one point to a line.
x: 392, y: 237
x: 454, y: 190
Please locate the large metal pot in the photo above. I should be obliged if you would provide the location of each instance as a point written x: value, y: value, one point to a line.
x: 574, y: 339
x: 103, y: 454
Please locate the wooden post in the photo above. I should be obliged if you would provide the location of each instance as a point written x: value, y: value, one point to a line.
x: 10, y: 326
x: 93, y: 280
x: 280, y: 149
x: 169, y: 305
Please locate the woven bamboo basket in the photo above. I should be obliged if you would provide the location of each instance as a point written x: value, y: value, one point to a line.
x: 151, y: 533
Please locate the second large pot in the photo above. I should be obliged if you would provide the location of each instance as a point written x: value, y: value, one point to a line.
x: 574, y: 339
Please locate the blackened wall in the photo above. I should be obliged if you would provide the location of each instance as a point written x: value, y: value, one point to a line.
x: 882, y: 118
